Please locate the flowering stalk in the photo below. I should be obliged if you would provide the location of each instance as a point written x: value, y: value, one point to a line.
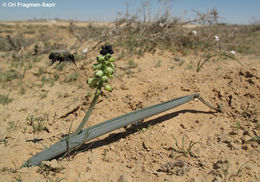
x: 104, y: 70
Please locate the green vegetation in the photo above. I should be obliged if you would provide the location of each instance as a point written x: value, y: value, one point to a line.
x: 40, y: 71
x: 256, y: 138
x: 36, y: 59
x: 37, y: 123
x: 72, y: 77
x: 5, y: 99
x: 12, y: 170
x: 209, y: 57
x: 158, y: 64
x: 43, y: 95
x: 142, y: 130
x: 18, y: 178
x: 104, y: 158
x: 182, y: 150
x: 132, y: 64
x: 104, y: 69
x: 12, y: 125
x: 47, y: 170
x: 190, y: 65
x: 29, y: 32
x: 238, y: 125
x: 8, y: 31
x: 9, y: 75
x: 60, y: 66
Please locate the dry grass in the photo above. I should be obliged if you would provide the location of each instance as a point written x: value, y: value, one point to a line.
x: 133, y: 36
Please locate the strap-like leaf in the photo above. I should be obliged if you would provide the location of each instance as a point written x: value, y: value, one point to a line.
x: 105, y: 127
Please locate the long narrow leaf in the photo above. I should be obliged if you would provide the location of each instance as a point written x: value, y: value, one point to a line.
x: 199, y: 64
x: 105, y: 127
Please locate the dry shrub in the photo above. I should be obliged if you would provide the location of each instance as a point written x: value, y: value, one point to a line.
x: 89, y: 32
x: 14, y: 43
x: 139, y: 33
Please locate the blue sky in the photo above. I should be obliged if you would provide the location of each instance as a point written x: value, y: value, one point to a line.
x: 231, y: 11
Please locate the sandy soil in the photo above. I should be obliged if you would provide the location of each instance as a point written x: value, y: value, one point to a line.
x: 227, y: 148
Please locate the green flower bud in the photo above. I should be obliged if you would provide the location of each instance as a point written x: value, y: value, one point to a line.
x: 99, y: 73
x: 110, y: 75
x: 98, y: 92
x: 109, y: 70
x: 108, y: 88
x: 111, y: 65
x: 92, y: 82
x: 104, y: 79
x: 100, y: 58
x: 96, y: 66
x: 112, y: 59
x: 107, y: 56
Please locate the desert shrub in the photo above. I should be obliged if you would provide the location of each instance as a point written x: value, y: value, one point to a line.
x: 16, y: 43
x: 89, y: 32
x: 48, y: 47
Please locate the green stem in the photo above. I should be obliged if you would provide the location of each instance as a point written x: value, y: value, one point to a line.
x: 90, y: 109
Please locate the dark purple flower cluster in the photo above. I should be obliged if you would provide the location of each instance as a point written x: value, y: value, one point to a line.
x: 106, y: 49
